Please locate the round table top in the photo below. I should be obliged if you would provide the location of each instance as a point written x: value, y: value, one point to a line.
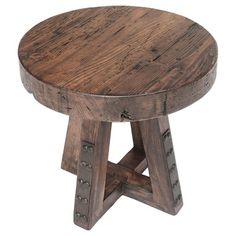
x: 119, y: 52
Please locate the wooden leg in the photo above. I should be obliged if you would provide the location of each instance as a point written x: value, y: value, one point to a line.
x: 135, y: 158
x: 136, y: 135
x: 100, y: 183
x: 91, y: 172
x: 72, y: 144
x: 159, y: 151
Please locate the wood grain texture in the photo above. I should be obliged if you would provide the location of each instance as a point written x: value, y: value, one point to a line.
x: 91, y: 172
x: 117, y: 63
x: 72, y: 145
x: 100, y: 182
x: 161, y: 164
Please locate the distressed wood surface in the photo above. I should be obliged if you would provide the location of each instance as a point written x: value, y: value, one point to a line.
x: 105, y: 64
x: 91, y: 172
x: 117, y: 63
x: 100, y: 183
x: 72, y: 145
x: 162, y: 167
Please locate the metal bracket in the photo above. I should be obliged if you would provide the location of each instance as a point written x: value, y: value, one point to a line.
x: 84, y: 180
x: 174, y: 179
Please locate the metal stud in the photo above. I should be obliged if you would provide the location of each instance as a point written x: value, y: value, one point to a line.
x: 89, y: 166
x: 172, y: 168
x: 178, y: 198
x: 90, y: 148
x: 170, y: 152
x: 83, y: 200
x: 79, y: 215
x: 87, y: 148
x: 175, y: 183
x: 85, y: 164
x: 166, y: 135
x: 86, y: 183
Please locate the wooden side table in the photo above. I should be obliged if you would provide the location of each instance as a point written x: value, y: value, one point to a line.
x: 125, y: 64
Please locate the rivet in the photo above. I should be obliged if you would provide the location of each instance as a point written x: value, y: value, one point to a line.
x: 90, y: 148
x: 167, y: 135
x: 83, y: 163
x: 85, y: 200
x: 81, y: 181
x: 178, y: 198
x: 85, y: 147
x: 175, y: 183
x: 77, y: 214
x: 170, y: 152
x: 172, y: 168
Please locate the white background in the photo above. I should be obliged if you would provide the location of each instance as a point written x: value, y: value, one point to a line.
x: 37, y: 197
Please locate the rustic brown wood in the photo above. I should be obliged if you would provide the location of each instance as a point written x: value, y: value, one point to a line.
x: 161, y: 163
x: 135, y: 160
x: 91, y: 172
x: 136, y: 135
x: 124, y: 178
x: 72, y: 145
x: 119, y: 63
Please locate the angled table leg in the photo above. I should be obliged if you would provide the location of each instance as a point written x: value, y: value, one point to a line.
x: 136, y: 135
x: 100, y: 183
x: 163, y: 173
x: 86, y: 154
x: 72, y: 144
x: 91, y: 172
x: 135, y: 159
